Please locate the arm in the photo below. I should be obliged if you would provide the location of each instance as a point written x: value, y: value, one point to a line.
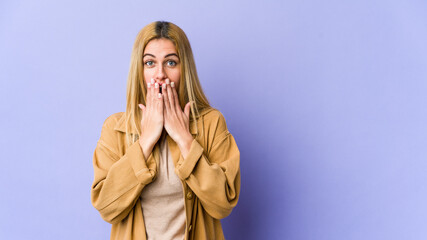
x: 118, y: 181
x: 214, y: 177
x: 211, y: 171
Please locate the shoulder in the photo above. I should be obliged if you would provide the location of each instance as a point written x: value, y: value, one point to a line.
x: 109, y: 136
x: 213, y: 119
x: 109, y: 127
x: 211, y: 114
x: 112, y: 120
x: 214, y: 131
x: 109, y: 140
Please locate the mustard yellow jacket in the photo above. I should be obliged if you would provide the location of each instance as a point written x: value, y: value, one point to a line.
x: 210, y: 177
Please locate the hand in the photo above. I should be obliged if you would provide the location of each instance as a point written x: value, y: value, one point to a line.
x: 176, y: 121
x: 152, y: 119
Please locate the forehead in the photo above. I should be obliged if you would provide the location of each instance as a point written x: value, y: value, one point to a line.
x: 160, y: 46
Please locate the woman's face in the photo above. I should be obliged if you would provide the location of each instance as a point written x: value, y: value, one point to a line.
x: 161, y: 61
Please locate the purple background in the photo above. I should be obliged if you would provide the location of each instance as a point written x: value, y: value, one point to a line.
x: 327, y: 102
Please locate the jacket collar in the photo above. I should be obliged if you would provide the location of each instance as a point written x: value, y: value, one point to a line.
x: 120, y: 125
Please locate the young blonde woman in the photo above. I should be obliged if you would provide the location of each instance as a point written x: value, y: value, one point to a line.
x: 167, y: 168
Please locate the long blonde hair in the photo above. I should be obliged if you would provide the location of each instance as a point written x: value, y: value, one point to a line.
x: 189, y: 87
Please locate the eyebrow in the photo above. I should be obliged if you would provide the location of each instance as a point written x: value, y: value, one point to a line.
x: 170, y: 54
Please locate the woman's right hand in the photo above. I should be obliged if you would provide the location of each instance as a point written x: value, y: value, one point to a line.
x: 152, y: 119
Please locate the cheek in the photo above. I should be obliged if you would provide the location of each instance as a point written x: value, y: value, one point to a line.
x: 175, y: 76
x: 147, y: 75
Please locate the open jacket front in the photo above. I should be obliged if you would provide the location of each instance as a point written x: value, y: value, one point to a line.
x: 210, y: 177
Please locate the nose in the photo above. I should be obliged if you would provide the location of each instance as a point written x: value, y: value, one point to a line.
x: 160, y: 75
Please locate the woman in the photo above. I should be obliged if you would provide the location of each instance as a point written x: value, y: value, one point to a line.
x: 159, y: 171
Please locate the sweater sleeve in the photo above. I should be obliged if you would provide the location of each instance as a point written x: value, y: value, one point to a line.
x: 118, y: 180
x: 215, y: 176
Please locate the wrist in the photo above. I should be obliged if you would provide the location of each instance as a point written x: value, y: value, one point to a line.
x: 185, y: 144
x: 146, y: 148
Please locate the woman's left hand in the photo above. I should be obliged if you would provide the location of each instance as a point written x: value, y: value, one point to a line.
x: 176, y: 121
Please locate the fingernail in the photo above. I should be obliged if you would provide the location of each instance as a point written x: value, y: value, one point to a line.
x: 152, y: 81
x: 168, y: 81
x: 160, y: 95
x: 156, y: 85
x: 164, y: 86
x: 148, y: 85
x: 139, y: 105
x: 172, y: 84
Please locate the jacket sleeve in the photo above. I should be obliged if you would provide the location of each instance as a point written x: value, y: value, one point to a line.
x: 213, y: 176
x: 118, y: 180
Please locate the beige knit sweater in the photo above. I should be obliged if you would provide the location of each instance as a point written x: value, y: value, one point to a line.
x: 162, y: 201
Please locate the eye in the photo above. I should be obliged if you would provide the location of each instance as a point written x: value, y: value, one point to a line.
x: 171, y: 63
x: 149, y: 63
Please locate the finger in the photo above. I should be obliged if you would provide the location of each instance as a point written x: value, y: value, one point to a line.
x: 159, y: 103
x: 157, y: 95
x: 175, y: 97
x: 187, y: 109
x: 171, y: 97
x: 166, y: 102
x: 156, y: 90
x: 142, y: 107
